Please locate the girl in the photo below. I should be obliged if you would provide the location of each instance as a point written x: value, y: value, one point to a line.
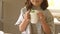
x: 45, y: 24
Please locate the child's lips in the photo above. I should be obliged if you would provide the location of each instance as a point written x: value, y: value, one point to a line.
x: 37, y: 1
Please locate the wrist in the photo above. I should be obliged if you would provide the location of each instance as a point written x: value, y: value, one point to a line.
x: 26, y: 19
x: 43, y: 21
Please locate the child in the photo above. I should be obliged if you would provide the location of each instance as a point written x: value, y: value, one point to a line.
x: 45, y: 24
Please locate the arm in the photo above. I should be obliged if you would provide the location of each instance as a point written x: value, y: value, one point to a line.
x: 25, y: 22
x: 45, y: 26
x: 23, y: 25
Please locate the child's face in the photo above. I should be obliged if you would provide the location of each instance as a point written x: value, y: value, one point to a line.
x: 36, y: 2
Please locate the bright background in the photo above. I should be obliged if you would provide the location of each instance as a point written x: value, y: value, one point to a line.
x: 54, y: 4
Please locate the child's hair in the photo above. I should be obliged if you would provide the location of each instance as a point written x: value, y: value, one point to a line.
x: 29, y: 5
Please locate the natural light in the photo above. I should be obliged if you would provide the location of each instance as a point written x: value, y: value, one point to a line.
x: 54, y: 4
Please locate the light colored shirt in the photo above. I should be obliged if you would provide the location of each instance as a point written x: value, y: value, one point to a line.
x: 49, y: 20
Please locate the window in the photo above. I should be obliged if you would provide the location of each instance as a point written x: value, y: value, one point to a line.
x: 54, y: 4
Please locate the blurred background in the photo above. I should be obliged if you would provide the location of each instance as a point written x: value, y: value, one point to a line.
x: 10, y: 10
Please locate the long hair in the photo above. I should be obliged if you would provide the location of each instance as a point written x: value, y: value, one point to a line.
x: 43, y: 6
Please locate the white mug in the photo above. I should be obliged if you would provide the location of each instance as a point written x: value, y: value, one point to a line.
x: 34, y: 16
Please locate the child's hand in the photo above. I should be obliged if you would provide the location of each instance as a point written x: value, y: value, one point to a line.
x: 27, y: 15
x: 41, y: 16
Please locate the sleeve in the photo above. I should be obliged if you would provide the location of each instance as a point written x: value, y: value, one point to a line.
x: 50, y: 22
x: 20, y: 18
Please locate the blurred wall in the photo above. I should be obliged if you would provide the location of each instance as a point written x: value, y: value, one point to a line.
x: 11, y: 11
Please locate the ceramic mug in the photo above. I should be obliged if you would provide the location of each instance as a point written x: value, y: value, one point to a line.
x: 34, y: 16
